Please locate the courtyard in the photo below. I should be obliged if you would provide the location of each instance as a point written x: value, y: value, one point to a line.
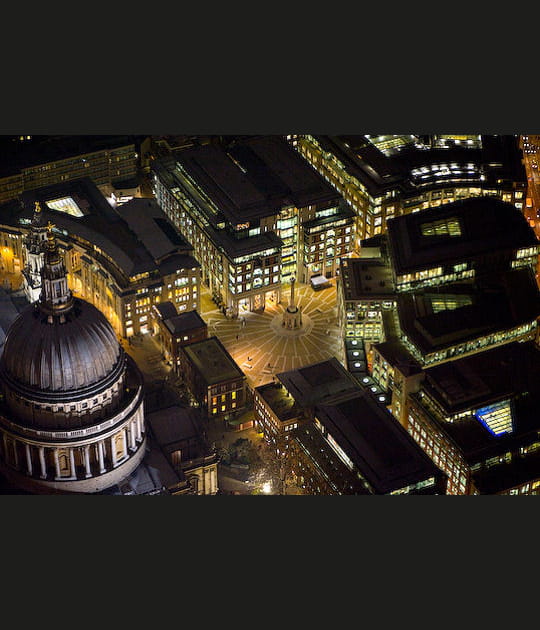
x: 262, y: 347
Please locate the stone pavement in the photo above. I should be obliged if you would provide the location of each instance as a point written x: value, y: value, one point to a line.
x: 262, y: 348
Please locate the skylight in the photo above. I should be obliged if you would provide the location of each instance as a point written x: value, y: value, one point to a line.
x: 497, y: 418
x: 66, y: 205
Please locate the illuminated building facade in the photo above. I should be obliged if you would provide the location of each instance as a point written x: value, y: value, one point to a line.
x: 29, y: 162
x: 256, y: 214
x: 382, y: 177
x: 484, y: 293
x: 172, y: 330
x: 366, y: 298
x: 123, y: 260
x: 398, y: 374
x: 477, y: 418
x: 71, y: 410
x: 214, y: 379
x: 276, y: 412
x: 459, y: 242
x: 337, y: 439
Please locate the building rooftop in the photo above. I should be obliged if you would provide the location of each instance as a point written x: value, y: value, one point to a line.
x: 456, y: 232
x: 147, y: 221
x: 131, y: 241
x: 178, y: 428
x: 382, y: 451
x: 318, y: 382
x: 413, y: 164
x: 397, y: 355
x: 476, y: 382
x: 183, y: 322
x: 329, y: 465
x: 280, y: 402
x: 513, y: 301
x: 249, y: 178
x: 210, y: 358
x: 165, y: 310
x: 366, y: 279
x: 507, y: 475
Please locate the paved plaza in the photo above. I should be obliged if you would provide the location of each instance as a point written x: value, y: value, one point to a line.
x: 262, y: 347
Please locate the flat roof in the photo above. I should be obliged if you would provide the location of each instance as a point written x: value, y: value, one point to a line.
x: 483, y: 225
x: 380, y: 448
x: 507, y: 475
x: 183, y: 322
x: 106, y: 228
x: 513, y: 299
x: 148, y: 222
x: 317, y: 382
x: 173, y: 425
x: 166, y: 309
x: 252, y: 177
x: 212, y: 361
x: 366, y: 279
x: 329, y: 465
x: 282, y: 405
x: 509, y: 372
x: 497, y: 159
x: 492, y: 374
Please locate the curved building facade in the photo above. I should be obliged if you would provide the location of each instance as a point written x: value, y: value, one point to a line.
x: 71, y: 408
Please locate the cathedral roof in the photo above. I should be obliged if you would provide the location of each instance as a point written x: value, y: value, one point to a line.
x: 57, y: 356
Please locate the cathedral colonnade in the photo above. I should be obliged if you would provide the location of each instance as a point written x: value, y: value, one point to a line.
x: 81, y: 460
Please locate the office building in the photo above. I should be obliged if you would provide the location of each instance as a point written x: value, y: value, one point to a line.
x: 459, y: 241
x: 29, y: 162
x: 385, y: 176
x: 334, y: 438
x: 214, y: 379
x: 257, y: 215
x: 172, y: 330
x: 477, y: 418
x: 458, y: 280
x: 123, y: 260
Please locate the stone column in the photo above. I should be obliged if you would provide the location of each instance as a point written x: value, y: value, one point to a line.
x: 15, y: 454
x: 214, y: 481
x: 132, y: 439
x: 28, y: 458
x: 42, y: 463
x: 113, y: 451
x: 125, y: 451
x: 291, y: 300
x: 88, y: 472
x: 101, y: 459
x: 6, y: 450
x: 56, y: 463
x: 72, y: 463
x: 139, y: 430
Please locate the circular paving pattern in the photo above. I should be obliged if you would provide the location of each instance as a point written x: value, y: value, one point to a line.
x: 279, y: 329
x: 262, y: 347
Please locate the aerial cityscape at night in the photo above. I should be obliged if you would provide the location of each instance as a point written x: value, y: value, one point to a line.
x: 270, y: 315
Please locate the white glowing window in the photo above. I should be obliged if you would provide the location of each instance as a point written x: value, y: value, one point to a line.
x: 497, y: 418
x: 443, y: 227
x: 67, y: 205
